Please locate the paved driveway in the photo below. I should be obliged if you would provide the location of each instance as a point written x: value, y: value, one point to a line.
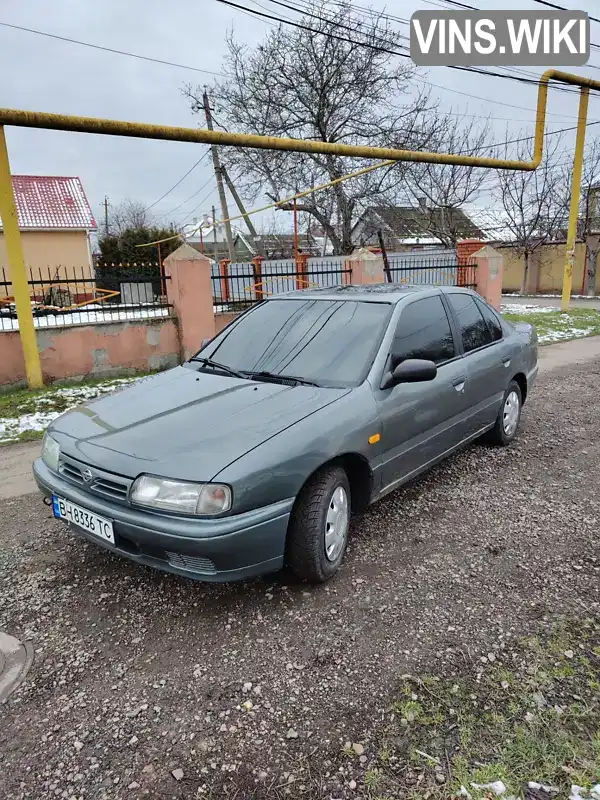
x: 147, y: 685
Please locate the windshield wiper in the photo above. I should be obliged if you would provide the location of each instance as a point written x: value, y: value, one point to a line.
x: 208, y: 362
x: 276, y: 377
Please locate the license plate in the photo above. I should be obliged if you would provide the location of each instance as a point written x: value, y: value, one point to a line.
x: 82, y: 518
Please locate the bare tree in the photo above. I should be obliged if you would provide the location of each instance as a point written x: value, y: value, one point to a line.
x: 128, y: 215
x: 589, y: 228
x: 533, y: 203
x: 441, y: 190
x: 321, y: 85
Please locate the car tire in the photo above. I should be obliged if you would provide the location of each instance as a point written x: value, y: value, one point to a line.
x: 509, y: 417
x: 318, y: 529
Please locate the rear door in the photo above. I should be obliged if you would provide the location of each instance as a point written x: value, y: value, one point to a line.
x: 487, y: 357
x: 421, y: 421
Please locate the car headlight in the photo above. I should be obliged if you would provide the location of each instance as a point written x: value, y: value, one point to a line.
x: 50, y: 452
x: 187, y: 498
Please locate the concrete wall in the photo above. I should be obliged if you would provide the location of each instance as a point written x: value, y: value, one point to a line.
x: 54, y: 249
x: 551, y: 268
x: 546, y: 267
x: 101, y: 349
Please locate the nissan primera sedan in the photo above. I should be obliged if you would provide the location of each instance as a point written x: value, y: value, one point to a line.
x: 308, y: 407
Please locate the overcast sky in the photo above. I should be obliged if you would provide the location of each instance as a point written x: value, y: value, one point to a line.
x: 44, y: 74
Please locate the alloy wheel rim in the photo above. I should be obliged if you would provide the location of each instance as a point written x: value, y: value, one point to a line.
x: 510, y: 415
x: 336, y: 523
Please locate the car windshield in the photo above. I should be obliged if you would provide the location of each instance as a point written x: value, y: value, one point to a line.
x: 327, y: 342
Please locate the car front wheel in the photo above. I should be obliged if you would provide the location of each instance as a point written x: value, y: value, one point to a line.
x: 318, y: 530
x: 509, y: 416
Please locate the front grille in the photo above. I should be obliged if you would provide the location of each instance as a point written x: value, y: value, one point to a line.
x: 103, y: 483
x: 191, y: 563
x: 110, y: 488
x: 71, y: 472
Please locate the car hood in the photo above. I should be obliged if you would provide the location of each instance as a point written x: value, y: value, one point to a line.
x: 184, y: 424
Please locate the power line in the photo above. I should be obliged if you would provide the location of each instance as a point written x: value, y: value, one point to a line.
x: 403, y: 55
x: 305, y: 10
x: 193, y: 211
x: 542, y: 2
x: 191, y: 197
x: 175, y: 185
x: 251, y: 11
x: 547, y: 133
x: 461, y: 5
x: 558, y: 8
x: 380, y: 48
x: 109, y: 49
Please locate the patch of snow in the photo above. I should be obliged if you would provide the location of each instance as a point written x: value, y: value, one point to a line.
x: 12, y: 427
x: 92, y: 314
x: 496, y: 787
x: 566, y: 333
x: 581, y: 793
x: 522, y: 308
x: 556, y: 296
x: 544, y: 787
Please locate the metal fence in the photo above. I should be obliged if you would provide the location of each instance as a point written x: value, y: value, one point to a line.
x: 240, y: 285
x: 67, y: 296
x: 442, y: 270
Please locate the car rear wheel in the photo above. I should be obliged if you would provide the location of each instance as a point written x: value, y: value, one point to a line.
x: 318, y: 530
x: 509, y: 416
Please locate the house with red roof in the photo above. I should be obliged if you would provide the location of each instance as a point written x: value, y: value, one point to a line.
x: 56, y: 221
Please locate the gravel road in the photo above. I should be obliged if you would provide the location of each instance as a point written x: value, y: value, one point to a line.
x: 148, y: 685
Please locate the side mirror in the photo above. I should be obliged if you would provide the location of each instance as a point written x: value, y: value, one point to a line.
x: 204, y: 342
x: 413, y: 370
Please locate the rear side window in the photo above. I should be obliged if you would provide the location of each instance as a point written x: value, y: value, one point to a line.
x: 492, y: 321
x: 473, y: 328
x: 424, y: 332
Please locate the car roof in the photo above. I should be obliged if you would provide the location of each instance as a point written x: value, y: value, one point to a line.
x: 368, y: 293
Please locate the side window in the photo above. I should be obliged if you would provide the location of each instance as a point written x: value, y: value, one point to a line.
x: 492, y: 321
x: 473, y: 328
x: 423, y: 332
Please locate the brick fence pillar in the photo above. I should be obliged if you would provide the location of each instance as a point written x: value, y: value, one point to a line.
x: 257, y: 263
x: 489, y: 274
x: 189, y: 291
x: 367, y: 267
x: 224, y: 273
x: 301, y: 270
x: 464, y: 250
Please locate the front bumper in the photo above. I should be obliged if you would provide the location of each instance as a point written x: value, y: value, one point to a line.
x: 532, y: 375
x: 219, y: 550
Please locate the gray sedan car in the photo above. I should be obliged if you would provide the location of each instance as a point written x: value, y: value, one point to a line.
x: 306, y: 408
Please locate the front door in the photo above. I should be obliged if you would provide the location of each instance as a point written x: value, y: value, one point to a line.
x: 487, y: 357
x: 421, y: 421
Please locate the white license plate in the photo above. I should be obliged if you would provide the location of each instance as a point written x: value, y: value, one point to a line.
x: 82, y: 518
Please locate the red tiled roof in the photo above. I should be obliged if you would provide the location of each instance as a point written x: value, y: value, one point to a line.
x: 49, y: 201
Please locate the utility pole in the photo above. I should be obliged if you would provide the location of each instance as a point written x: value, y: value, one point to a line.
x: 105, y: 215
x: 253, y: 236
x: 219, y: 177
x: 295, y: 230
x: 386, y: 263
x: 214, y: 218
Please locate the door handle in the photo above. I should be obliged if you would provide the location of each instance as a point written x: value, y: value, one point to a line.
x: 506, y: 361
x: 459, y: 384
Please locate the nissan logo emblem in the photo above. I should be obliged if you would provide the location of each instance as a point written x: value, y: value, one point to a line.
x: 87, y: 476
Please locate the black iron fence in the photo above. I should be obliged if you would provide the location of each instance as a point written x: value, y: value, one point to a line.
x: 63, y: 296
x: 433, y: 271
x: 237, y: 286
